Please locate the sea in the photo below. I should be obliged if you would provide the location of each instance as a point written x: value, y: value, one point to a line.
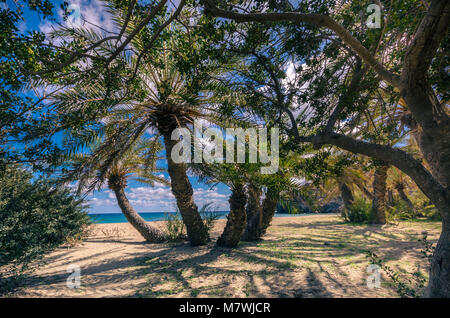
x: 103, y: 218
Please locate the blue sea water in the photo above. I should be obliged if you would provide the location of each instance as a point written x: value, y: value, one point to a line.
x: 102, y: 218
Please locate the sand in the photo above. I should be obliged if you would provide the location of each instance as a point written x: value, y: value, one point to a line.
x: 306, y: 256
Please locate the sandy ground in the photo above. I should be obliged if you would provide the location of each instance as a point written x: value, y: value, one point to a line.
x: 306, y: 256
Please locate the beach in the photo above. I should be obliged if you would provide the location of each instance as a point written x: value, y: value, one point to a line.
x: 303, y: 256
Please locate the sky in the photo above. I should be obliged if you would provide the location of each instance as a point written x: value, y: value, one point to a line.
x: 143, y: 197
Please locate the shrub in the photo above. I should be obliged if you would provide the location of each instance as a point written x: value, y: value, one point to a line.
x: 35, y: 218
x: 410, y: 285
x: 359, y: 212
x: 400, y: 211
x: 406, y: 286
x: 424, y: 207
x: 209, y: 216
x: 175, y: 229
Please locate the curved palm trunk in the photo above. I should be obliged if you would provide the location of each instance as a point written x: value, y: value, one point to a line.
x: 390, y: 198
x: 401, y: 192
x: 378, y: 215
x: 347, y: 197
x: 148, y: 232
x: 365, y: 191
x: 269, y: 206
x: 236, y: 219
x: 184, y: 195
x: 254, y: 215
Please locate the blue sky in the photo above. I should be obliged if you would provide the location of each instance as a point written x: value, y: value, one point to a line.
x: 143, y: 197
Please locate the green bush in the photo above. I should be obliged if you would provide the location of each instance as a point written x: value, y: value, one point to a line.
x: 176, y: 230
x: 209, y: 217
x: 407, y: 285
x: 401, y: 211
x: 359, y: 212
x: 174, y: 227
x: 410, y: 285
x: 35, y: 218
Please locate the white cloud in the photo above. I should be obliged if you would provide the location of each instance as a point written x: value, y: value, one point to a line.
x: 160, y: 199
x: 101, y: 202
x: 93, y: 15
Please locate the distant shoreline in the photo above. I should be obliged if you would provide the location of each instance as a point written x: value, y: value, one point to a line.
x: 111, y: 218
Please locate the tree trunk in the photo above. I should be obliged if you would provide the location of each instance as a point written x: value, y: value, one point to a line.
x: 347, y: 197
x: 236, y: 219
x: 401, y: 192
x: 390, y: 198
x: 433, y: 132
x: 269, y: 206
x: 148, y: 232
x: 254, y: 215
x: 433, y: 139
x: 378, y: 215
x: 182, y: 190
x: 438, y: 285
x: 365, y: 191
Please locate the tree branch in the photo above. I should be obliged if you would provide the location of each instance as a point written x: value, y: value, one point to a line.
x: 314, y: 19
x: 396, y: 157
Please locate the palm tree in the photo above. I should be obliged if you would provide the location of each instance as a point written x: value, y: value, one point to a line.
x: 378, y: 212
x: 236, y: 219
x: 254, y: 213
x: 399, y: 182
x: 345, y: 184
x: 269, y: 206
x: 103, y: 165
x: 233, y: 176
x: 157, y: 99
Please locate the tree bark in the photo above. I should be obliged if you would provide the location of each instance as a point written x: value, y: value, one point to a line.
x: 148, y: 232
x: 269, y: 206
x: 378, y: 213
x: 182, y: 190
x: 390, y: 198
x: 365, y: 191
x: 347, y: 197
x: 438, y: 284
x: 433, y: 131
x: 254, y: 215
x: 236, y: 219
x: 401, y: 192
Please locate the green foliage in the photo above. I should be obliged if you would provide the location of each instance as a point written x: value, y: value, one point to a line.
x: 209, y: 216
x: 35, y: 218
x: 406, y: 287
x: 424, y: 207
x: 401, y: 211
x: 427, y: 247
x: 359, y: 212
x: 287, y: 206
x: 174, y: 227
x: 20, y: 52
